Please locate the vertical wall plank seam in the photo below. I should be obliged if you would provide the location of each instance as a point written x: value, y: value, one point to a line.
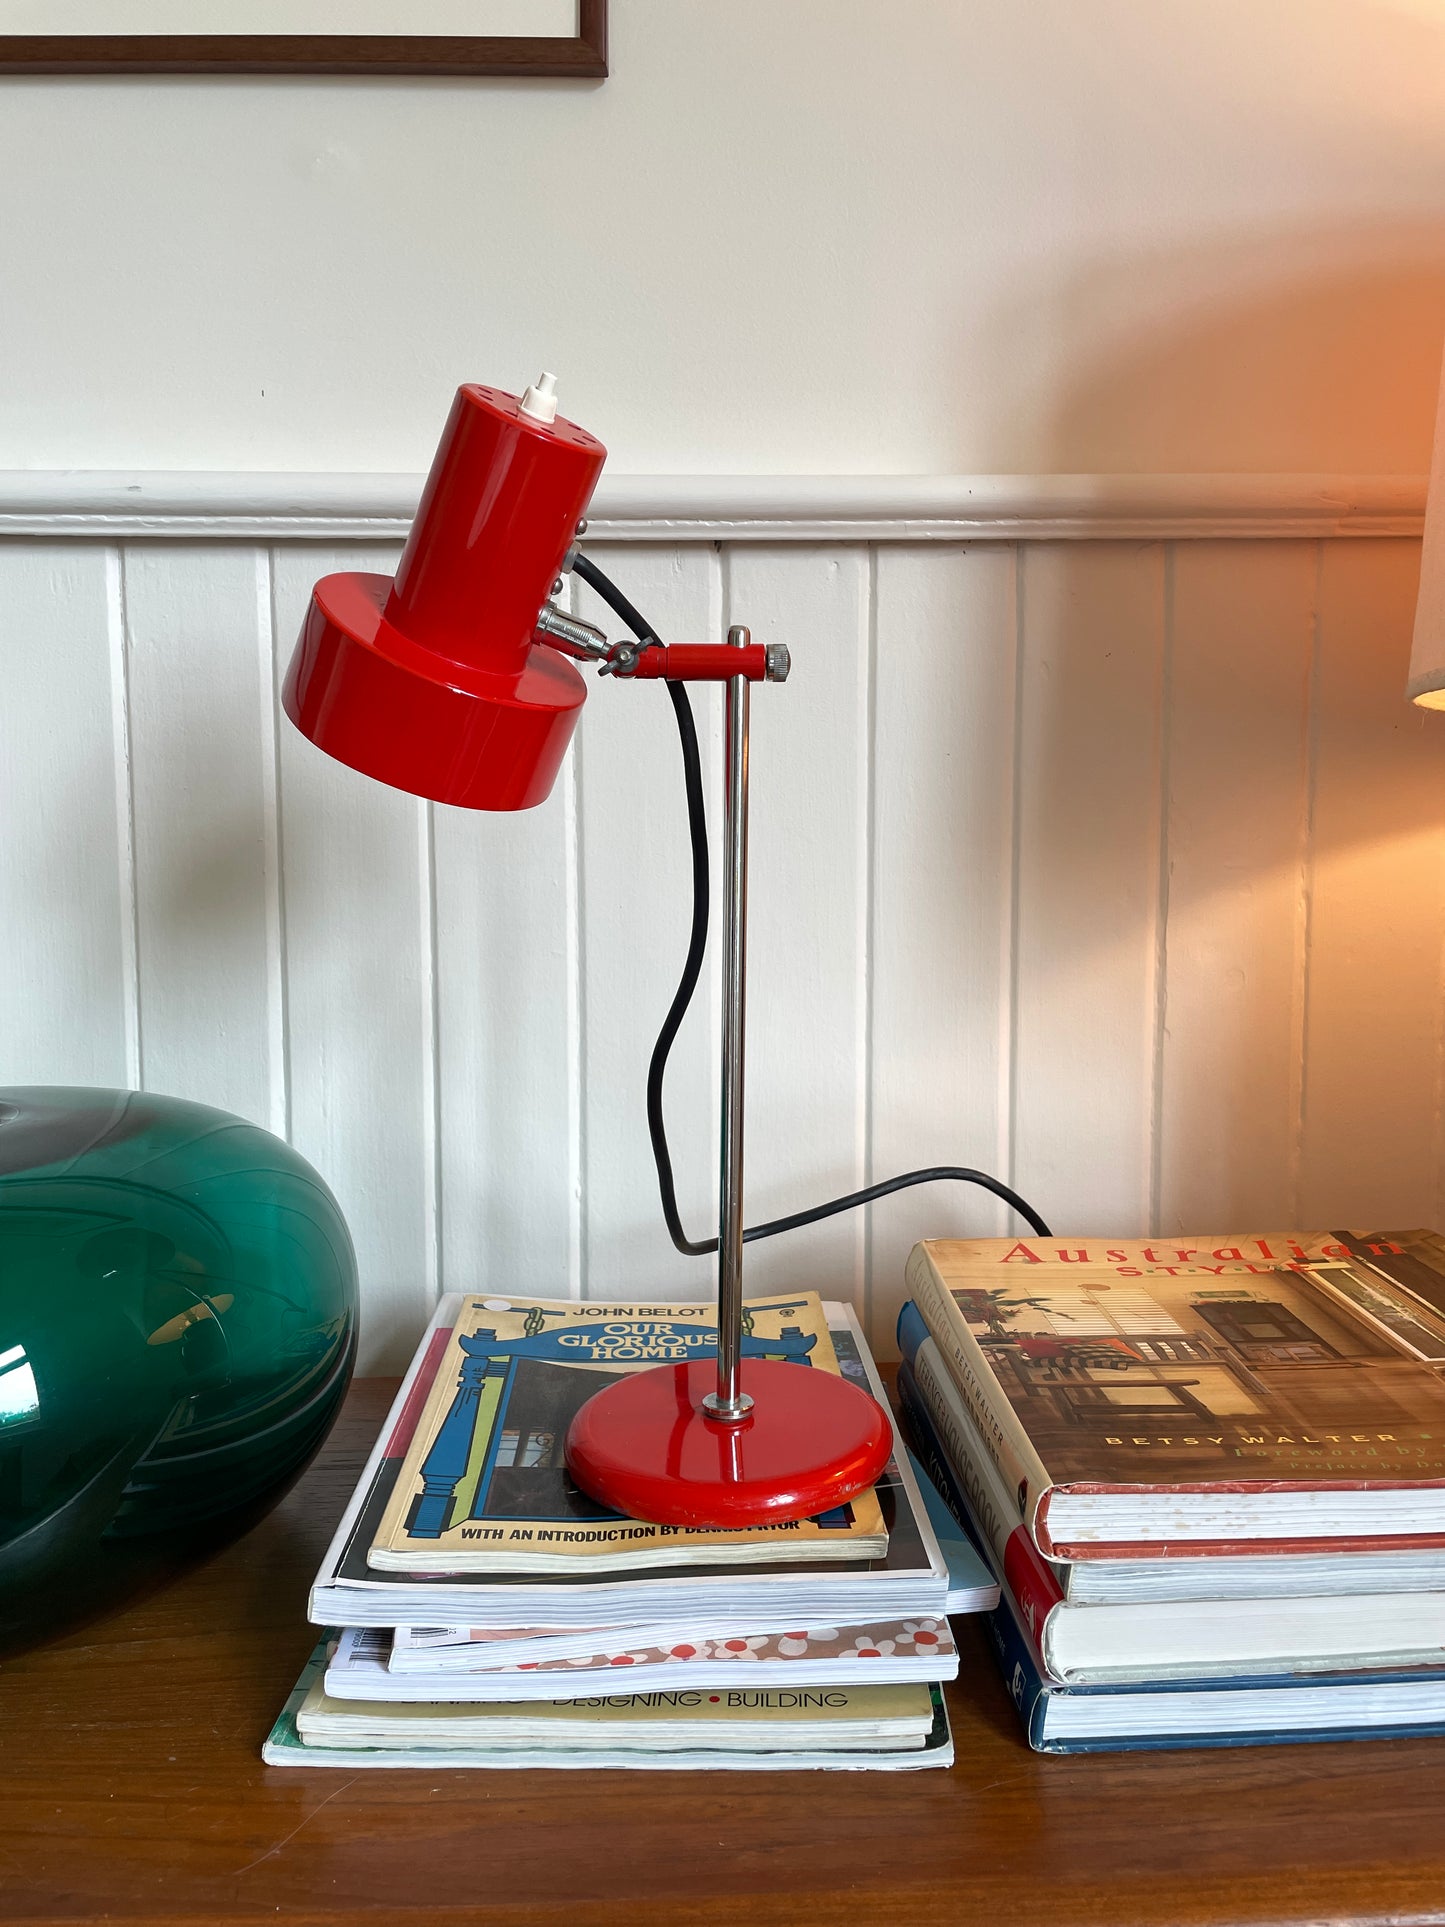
x: 868, y: 935
x: 118, y: 624
x: 1011, y: 1061
x: 1304, y: 916
x: 278, y: 1078
x: 711, y: 729
x: 433, y: 1204
x: 1161, y: 903
x: 573, y: 1017
x: 1437, y: 1215
x: 279, y: 808
x: 1000, y: 1157
x: 578, y: 1230
x: 716, y: 943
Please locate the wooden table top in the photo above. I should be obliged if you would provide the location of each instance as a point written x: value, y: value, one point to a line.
x: 131, y: 1789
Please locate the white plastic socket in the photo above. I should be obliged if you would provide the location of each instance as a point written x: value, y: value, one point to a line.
x: 540, y: 400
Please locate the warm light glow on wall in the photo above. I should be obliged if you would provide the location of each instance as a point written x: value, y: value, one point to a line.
x: 1427, y: 658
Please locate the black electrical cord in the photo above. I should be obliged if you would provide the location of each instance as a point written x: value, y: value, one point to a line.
x: 692, y: 970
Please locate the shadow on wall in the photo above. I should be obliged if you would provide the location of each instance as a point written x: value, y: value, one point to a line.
x: 1314, y: 352
x: 1232, y: 825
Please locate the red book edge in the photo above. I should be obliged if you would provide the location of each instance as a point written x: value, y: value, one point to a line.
x: 410, y: 1415
x: 1031, y: 1581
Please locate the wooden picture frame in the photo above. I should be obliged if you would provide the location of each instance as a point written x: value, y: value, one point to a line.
x: 501, y: 56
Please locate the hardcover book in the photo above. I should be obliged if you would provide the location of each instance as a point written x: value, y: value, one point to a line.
x: 1156, y: 1641
x: 1232, y: 1393
x: 1191, y: 1572
x: 1152, y: 1715
x: 484, y: 1485
x: 1238, y: 1710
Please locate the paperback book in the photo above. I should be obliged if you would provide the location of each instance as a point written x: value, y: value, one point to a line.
x: 1238, y: 1393
x: 865, y: 1728
x: 908, y: 1578
x: 972, y: 1588
x: 483, y: 1485
x: 899, y: 1650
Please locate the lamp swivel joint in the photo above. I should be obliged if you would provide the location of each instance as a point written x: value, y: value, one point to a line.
x: 571, y: 635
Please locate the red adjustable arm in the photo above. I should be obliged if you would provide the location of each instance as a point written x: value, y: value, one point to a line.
x: 704, y: 662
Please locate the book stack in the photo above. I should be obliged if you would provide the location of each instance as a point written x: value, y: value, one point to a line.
x: 1208, y: 1472
x: 482, y: 1611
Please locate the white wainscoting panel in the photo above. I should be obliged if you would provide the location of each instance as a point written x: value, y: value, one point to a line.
x: 1090, y: 856
x: 1370, y: 1111
x: 68, y: 996
x: 1243, y: 622
x: 1113, y: 866
x: 360, y: 991
x: 634, y: 852
x: 941, y: 987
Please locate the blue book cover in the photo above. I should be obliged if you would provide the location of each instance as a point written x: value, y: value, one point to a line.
x: 911, y: 1331
x: 972, y: 1587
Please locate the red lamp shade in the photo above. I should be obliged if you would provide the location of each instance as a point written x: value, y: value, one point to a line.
x: 432, y: 681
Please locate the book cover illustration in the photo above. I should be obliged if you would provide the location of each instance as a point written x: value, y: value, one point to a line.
x: 1314, y: 1357
x: 905, y: 1554
x: 484, y: 1486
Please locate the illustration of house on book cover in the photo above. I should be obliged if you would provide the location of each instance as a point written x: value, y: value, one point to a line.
x: 1341, y: 1349
x: 516, y: 1393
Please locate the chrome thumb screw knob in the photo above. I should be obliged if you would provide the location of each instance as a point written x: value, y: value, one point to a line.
x: 778, y: 661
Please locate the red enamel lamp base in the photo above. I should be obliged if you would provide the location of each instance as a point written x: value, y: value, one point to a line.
x: 645, y: 1447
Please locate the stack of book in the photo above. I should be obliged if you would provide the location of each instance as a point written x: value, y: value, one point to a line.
x: 1209, y: 1473
x: 482, y: 1611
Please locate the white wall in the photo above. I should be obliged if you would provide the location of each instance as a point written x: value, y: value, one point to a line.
x: 1092, y: 847
x: 785, y: 235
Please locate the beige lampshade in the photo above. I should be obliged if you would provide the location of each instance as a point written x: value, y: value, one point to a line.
x: 1427, y: 658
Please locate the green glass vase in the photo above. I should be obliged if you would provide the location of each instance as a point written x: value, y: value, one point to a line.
x: 177, y: 1330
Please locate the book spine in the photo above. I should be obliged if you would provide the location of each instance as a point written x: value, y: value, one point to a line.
x: 954, y: 1470
x: 1003, y: 1437
x: 1023, y: 1681
x: 928, y: 1447
x: 405, y: 1409
x: 1018, y: 1660
x: 1027, y: 1574
x: 987, y: 1504
x: 910, y: 1331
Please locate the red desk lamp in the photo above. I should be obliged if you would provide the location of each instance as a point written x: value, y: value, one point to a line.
x: 452, y: 681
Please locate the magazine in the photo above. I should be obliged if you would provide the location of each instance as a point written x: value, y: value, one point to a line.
x: 909, y: 1649
x: 286, y: 1746
x: 726, y: 1716
x: 910, y: 1577
x: 484, y: 1485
